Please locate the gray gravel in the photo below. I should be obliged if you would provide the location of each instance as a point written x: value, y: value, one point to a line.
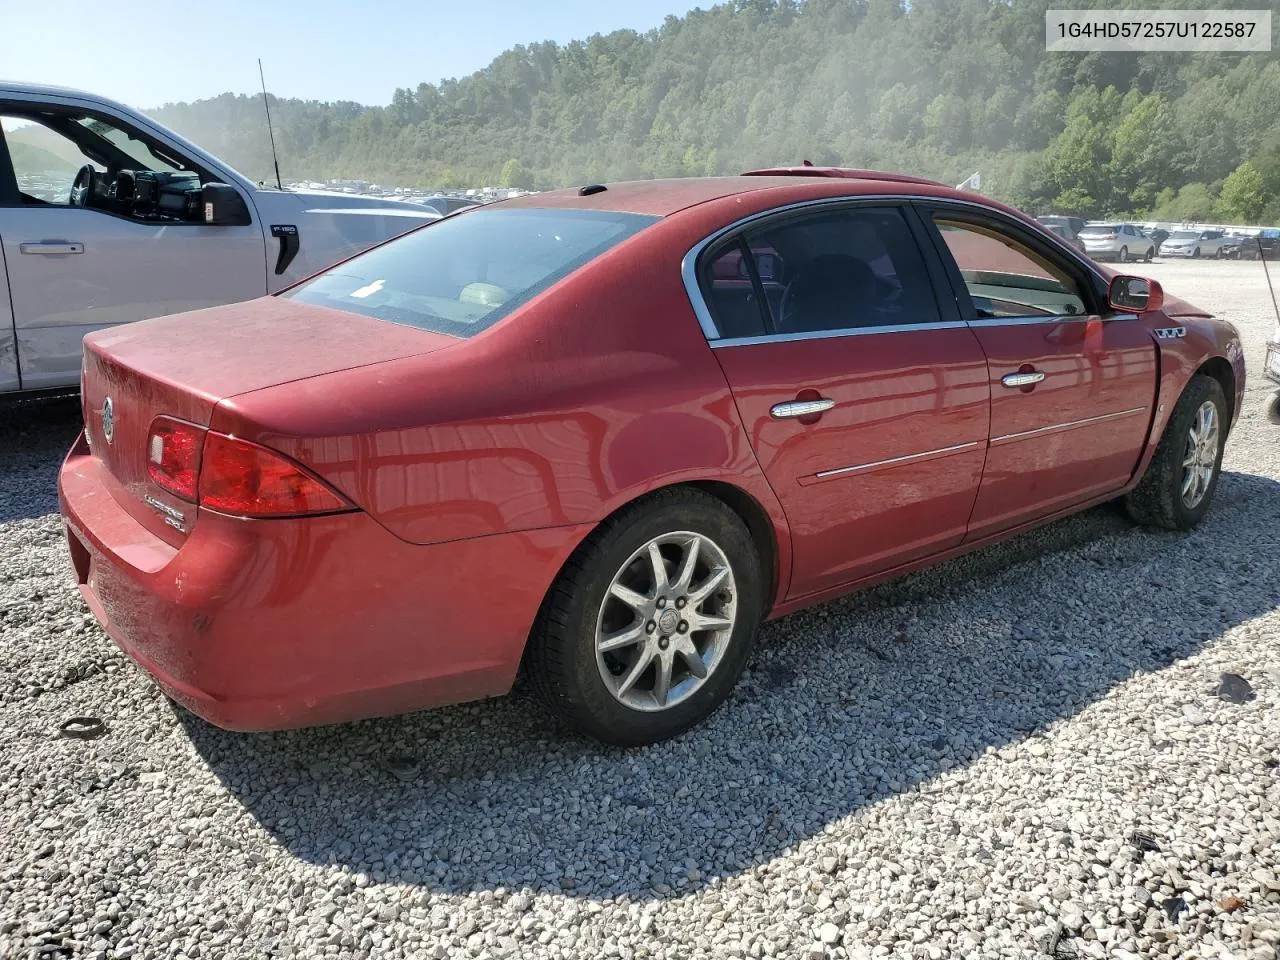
x: 1022, y: 753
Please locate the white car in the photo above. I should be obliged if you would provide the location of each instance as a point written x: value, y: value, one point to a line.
x: 106, y: 217
x: 1116, y: 241
x: 1196, y: 243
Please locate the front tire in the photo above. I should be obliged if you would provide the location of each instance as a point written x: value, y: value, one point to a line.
x: 1124, y: 254
x: 1180, y: 481
x: 649, y: 625
x: 1195, y: 254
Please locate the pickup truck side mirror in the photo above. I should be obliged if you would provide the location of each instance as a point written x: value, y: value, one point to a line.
x: 1135, y: 293
x: 223, y: 205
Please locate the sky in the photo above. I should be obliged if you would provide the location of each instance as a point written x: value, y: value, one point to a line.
x: 150, y: 54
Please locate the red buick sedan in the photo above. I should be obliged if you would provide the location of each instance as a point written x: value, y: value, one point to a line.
x: 601, y: 433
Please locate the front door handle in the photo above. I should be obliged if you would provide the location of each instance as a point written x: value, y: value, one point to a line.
x: 1025, y: 379
x: 52, y: 247
x: 800, y: 408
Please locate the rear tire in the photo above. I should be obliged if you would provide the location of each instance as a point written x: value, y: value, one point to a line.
x: 1180, y: 481
x: 1151, y: 252
x: 602, y: 644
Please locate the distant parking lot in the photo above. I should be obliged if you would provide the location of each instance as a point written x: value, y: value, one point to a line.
x: 1022, y: 752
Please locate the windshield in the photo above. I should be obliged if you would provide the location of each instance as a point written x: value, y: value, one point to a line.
x: 1183, y: 235
x: 461, y: 275
x: 1099, y: 228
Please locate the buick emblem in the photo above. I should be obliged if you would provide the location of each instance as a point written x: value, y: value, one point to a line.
x: 108, y: 420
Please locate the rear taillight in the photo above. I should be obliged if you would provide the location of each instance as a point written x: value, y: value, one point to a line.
x: 247, y: 480
x: 173, y: 456
x: 231, y: 475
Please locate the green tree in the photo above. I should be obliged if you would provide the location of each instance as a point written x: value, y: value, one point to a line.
x: 514, y: 175
x: 1243, y: 196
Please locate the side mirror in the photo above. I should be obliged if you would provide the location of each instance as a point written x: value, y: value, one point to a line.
x: 223, y: 205
x: 1135, y: 294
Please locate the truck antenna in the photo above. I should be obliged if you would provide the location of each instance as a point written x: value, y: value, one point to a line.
x: 274, y: 159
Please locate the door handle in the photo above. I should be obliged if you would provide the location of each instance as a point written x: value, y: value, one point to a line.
x: 800, y: 408
x: 1028, y: 379
x: 58, y: 247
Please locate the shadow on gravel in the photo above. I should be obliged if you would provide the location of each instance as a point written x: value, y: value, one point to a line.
x: 842, y: 707
x: 34, y: 437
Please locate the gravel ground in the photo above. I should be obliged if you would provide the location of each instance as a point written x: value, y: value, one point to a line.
x: 1021, y: 753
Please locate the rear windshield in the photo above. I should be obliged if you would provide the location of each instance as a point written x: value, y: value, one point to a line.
x: 463, y: 274
x: 1099, y: 228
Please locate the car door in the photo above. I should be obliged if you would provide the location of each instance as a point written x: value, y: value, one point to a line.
x: 864, y: 398
x: 73, y: 269
x: 1072, y: 383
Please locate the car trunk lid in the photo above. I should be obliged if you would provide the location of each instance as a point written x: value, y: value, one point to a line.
x: 182, y: 366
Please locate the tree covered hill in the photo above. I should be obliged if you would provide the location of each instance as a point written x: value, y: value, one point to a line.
x: 935, y: 87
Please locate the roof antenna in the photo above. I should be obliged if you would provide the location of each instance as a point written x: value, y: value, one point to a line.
x: 270, y: 132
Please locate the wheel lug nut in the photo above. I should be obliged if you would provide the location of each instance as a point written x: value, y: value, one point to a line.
x: 650, y: 627
x: 663, y: 643
x: 662, y: 602
x: 680, y: 602
x: 684, y: 626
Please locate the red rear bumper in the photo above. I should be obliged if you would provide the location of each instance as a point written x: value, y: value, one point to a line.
x: 273, y: 624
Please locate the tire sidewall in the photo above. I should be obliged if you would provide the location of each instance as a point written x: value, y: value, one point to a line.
x: 603, y: 714
x: 1200, y: 389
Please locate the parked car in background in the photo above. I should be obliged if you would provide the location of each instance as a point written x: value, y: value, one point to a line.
x: 1068, y: 237
x: 1231, y: 245
x: 1074, y: 224
x: 1265, y: 246
x: 1117, y: 241
x: 1194, y: 244
x: 106, y: 217
x: 393, y: 485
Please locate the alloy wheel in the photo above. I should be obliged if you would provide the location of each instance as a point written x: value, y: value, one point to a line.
x: 1201, y: 457
x: 666, y: 621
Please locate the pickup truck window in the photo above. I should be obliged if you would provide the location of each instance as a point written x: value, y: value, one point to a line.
x: 462, y: 274
x: 44, y: 162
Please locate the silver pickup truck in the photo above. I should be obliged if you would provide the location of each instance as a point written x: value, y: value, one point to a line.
x: 106, y: 217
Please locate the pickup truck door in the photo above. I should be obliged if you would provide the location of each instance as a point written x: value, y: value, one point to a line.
x: 8, y: 341
x: 72, y: 269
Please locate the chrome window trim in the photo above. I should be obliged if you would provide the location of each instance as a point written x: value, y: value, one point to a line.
x: 689, y: 269
x: 720, y: 343
x: 862, y: 467
x: 1057, y: 318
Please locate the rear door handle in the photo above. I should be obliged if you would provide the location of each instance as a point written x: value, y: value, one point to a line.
x: 800, y: 408
x: 52, y: 247
x: 1028, y: 379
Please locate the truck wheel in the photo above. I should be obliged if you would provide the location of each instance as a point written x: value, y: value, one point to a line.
x: 1180, y: 481
x: 651, y: 621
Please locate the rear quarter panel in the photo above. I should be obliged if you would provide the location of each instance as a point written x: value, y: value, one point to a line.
x: 598, y: 391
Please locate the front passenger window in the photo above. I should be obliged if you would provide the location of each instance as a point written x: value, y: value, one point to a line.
x: 1005, y: 278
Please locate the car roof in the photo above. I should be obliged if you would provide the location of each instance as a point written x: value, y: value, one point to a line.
x: 662, y: 198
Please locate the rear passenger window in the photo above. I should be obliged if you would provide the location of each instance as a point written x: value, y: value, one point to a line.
x: 843, y: 270
x: 838, y: 270
x: 731, y: 294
